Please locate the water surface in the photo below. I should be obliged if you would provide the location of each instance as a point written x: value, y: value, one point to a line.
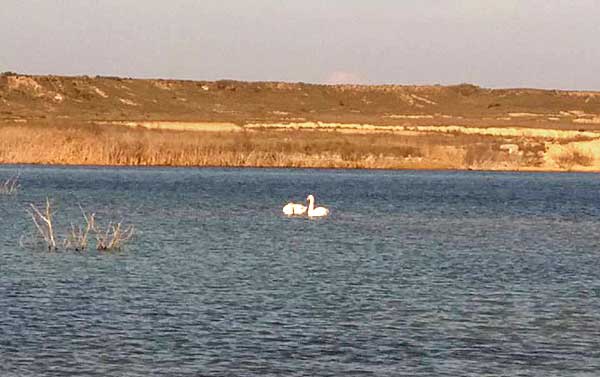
x: 414, y: 273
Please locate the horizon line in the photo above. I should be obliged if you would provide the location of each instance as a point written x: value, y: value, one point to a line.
x: 349, y: 84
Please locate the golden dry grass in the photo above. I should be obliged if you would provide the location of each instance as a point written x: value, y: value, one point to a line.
x: 75, y: 143
x: 90, y: 144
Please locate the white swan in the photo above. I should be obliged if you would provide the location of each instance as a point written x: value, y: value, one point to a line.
x: 315, y: 212
x: 294, y: 209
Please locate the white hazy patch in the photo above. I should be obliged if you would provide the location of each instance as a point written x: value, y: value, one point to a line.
x: 343, y: 77
x: 489, y: 7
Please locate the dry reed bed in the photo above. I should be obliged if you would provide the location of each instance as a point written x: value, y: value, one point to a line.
x: 93, y: 144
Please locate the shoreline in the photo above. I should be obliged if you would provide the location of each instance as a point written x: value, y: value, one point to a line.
x: 240, y: 167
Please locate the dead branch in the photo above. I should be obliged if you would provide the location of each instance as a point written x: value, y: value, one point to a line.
x: 10, y: 186
x: 43, y: 223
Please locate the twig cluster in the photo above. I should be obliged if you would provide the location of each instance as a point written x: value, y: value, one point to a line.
x: 114, y: 237
x: 10, y: 186
x: 77, y: 237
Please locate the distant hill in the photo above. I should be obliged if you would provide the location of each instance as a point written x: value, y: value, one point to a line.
x: 24, y: 97
x: 123, y: 121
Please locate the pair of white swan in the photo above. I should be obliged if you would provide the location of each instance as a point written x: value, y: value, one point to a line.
x: 291, y: 209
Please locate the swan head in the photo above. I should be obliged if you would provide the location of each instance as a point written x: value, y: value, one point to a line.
x: 310, y: 198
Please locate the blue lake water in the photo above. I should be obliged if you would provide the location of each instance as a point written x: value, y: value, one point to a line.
x: 414, y: 273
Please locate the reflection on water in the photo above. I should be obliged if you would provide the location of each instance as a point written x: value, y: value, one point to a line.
x: 414, y: 273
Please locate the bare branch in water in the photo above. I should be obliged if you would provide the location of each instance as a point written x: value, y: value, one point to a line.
x: 77, y: 237
x: 10, y: 186
x: 113, y: 237
x: 43, y: 223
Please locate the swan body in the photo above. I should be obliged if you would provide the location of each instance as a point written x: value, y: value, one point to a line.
x: 294, y: 209
x: 315, y: 212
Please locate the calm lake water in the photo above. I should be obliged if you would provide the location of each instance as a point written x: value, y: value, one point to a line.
x: 414, y: 273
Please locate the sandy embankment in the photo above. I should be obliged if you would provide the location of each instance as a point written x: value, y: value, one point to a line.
x: 364, y: 129
x: 181, y: 126
x: 490, y: 131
